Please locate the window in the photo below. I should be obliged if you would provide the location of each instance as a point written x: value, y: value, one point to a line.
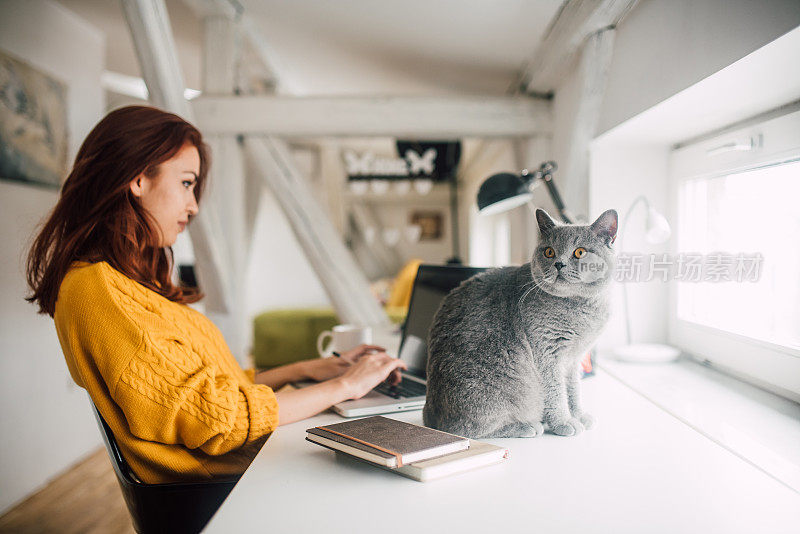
x: 748, y: 224
x: 736, y: 200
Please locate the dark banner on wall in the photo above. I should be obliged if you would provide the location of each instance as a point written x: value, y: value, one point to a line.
x: 429, y: 160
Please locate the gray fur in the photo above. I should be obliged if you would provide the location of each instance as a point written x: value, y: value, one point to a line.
x: 505, y: 346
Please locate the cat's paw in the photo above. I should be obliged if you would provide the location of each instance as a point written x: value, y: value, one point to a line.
x: 531, y: 430
x: 518, y: 430
x: 586, y: 420
x: 569, y: 427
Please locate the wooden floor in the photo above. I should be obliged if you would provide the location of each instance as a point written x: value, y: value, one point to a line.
x: 86, y: 498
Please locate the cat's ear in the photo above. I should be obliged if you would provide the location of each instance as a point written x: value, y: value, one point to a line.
x: 605, y: 226
x: 546, y: 224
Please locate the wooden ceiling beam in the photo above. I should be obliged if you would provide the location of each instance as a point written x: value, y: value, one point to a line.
x: 563, y: 41
x: 416, y: 117
x: 271, y: 69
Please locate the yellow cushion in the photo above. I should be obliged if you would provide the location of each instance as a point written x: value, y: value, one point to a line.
x: 401, y: 290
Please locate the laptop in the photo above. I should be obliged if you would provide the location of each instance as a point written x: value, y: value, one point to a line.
x: 432, y: 284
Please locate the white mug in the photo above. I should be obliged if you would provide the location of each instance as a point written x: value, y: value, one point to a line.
x: 344, y: 337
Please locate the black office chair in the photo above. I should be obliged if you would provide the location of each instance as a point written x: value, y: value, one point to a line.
x: 168, y: 508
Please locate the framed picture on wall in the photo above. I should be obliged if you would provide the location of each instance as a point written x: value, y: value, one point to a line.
x: 33, y: 124
x: 430, y: 222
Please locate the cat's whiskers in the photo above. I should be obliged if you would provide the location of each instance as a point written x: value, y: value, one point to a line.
x: 522, y: 298
x: 526, y: 284
x: 535, y: 284
x: 532, y: 283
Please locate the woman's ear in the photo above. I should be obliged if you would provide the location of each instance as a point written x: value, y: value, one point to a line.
x: 137, y: 186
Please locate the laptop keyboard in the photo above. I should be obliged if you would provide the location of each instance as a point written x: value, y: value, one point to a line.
x: 406, y: 388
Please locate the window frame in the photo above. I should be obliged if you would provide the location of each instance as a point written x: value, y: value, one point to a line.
x: 768, y: 365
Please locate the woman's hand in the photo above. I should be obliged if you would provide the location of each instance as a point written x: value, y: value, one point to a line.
x: 322, y: 369
x: 353, y: 355
x: 369, y: 371
x: 357, y: 380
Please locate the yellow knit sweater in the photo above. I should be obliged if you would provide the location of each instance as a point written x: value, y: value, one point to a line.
x: 161, y: 375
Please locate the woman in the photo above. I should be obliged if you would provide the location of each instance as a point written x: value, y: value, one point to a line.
x: 158, y: 371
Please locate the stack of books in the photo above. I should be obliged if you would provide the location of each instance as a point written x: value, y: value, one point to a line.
x: 410, y: 450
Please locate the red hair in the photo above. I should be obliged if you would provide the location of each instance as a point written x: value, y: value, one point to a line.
x: 97, y: 218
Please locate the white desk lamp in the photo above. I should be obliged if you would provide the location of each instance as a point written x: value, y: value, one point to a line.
x: 657, y: 231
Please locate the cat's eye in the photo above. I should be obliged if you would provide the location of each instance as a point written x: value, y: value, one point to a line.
x: 579, y: 252
x: 549, y: 252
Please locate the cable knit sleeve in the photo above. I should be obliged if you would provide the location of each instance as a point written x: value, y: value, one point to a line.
x: 251, y: 374
x: 169, y: 386
x: 169, y: 395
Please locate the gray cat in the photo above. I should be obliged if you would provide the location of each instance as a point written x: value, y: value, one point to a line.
x: 505, y: 346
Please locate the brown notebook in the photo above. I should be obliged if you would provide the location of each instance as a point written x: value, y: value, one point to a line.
x: 386, y: 441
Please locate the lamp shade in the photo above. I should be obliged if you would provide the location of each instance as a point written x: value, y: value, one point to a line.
x: 501, y: 192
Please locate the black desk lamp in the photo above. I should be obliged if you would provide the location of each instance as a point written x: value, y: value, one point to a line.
x: 504, y: 191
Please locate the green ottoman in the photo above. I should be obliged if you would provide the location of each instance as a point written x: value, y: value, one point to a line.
x: 286, y: 336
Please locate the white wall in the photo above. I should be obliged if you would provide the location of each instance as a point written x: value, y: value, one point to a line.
x: 637, y: 157
x: 279, y: 275
x: 45, y: 421
x: 621, y: 173
x: 665, y: 46
x: 661, y: 48
x: 565, y: 112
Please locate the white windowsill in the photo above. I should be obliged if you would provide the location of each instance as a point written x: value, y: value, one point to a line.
x: 760, y: 427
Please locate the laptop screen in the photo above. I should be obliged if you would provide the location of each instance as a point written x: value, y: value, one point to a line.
x: 432, y: 284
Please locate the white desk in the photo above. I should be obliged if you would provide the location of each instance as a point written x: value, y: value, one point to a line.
x: 640, y: 471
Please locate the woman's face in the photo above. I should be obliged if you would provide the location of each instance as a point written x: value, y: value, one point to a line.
x: 169, y: 197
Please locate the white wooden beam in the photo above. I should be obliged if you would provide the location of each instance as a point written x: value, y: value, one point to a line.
x: 221, y: 51
x: 338, y: 272
x: 416, y: 117
x: 152, y: 38
x: 529, y: 153
x: 224, y: 204
x: 272, y: 71
x: 214, y: 8
x: 333, y: 176
x: 254, y: 189
x: 575, y: 22
x: 227, y: 195
x: 223, y: 71
x: 593, y: 71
